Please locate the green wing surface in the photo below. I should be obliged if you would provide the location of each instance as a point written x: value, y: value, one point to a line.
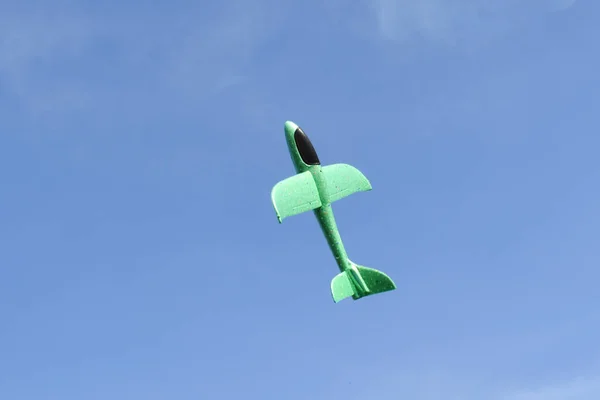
x: 344, y: 180
x: 295, y: 195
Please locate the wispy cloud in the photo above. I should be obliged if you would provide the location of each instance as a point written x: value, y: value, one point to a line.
x: 222, y: 49
x: 561, y: 5
x: 69, y: 59
x: 458, y: 22
x: 436, y: 384
x: 33, y: 45
x: 66, y: 59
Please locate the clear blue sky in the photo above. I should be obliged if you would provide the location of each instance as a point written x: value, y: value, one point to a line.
x: 141, y: 258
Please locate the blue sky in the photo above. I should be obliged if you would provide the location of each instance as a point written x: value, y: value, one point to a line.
x: 141, y: 256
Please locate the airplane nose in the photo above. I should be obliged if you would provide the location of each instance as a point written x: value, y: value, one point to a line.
x: 290, y: 127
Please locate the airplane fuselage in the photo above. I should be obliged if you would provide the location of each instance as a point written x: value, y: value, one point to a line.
x: 305, y: 158
x: 315, y: 187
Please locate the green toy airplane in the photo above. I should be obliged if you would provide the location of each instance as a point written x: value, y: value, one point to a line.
x: 314, y: 188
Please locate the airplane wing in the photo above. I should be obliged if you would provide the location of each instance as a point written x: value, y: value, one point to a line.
x: 295, y: 195
x: 344, y: 180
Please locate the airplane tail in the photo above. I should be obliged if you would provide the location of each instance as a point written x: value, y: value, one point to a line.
x: 358, y: 281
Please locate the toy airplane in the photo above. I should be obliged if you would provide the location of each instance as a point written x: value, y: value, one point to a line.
x: 314, y: 188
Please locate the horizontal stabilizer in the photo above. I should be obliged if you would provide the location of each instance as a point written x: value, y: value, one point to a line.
x: 342, y: 287
x: 376, y: 281
x: 358, y: 282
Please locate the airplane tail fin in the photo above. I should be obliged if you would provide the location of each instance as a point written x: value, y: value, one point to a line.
x: 358, y: 281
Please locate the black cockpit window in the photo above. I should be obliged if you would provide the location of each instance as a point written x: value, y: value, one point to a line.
x: 305, y: 148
